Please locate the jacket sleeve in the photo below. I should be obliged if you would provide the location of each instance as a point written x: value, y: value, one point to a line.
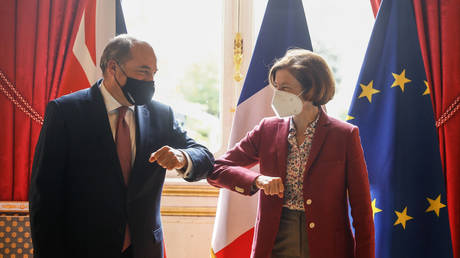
x: 232, y: 170
x: 359, y: 196
x: 201, y: 158
x: 46, y: 193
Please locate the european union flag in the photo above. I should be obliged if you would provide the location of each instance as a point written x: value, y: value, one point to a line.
x: 392, y: 108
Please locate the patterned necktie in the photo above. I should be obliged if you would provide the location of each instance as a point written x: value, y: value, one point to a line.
x: 123, y: 141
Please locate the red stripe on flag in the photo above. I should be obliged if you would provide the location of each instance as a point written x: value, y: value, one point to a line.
x: 375, y: 6
x: 240, y: 247
x: 74, y: 77
x: 90, y: 29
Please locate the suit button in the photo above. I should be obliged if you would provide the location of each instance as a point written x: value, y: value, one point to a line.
x: 308, y: 201
x: 311, y: 225
x: 239, y: 189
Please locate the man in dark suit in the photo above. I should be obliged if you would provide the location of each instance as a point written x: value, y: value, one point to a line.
x: 100, y: 162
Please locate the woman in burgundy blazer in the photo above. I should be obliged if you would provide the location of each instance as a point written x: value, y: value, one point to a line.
x: 334, y: 170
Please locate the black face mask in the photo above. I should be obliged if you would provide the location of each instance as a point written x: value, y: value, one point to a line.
x: 137, y: 92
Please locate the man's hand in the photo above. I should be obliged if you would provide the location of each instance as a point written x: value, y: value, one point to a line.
x: 169, y: 158
x: 270, y: 185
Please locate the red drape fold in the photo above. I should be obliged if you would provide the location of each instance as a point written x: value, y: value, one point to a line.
x: 438, y: 27
x: 36, y: 40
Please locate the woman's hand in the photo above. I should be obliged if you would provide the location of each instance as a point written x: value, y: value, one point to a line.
x: 270, y: 185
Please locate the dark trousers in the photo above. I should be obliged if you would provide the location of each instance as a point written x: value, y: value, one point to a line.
x: 291, y: 240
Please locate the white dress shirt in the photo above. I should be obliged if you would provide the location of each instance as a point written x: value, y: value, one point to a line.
x: 112, y: 105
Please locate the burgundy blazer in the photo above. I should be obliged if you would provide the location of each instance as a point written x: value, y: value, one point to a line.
x: 335, y: 168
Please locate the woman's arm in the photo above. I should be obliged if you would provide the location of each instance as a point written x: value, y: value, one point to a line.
x: 232, y: 170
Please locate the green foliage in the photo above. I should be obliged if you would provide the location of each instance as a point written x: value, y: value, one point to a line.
x: 201, y: 85
x: 331, y: 57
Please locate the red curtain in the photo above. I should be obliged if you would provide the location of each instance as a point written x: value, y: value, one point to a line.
x: 35, y: 42
x: 438, y: 26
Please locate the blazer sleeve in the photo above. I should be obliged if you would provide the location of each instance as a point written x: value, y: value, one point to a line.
x: 359, y: 196
x: 201, y: 158
x: 232, y: 170
x: 46, y: 190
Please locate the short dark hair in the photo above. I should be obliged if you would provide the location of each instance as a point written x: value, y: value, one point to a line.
x: 118, y: 49
x: 311, y: 70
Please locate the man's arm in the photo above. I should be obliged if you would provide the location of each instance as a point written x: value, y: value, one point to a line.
x: 191, y: 159
x: 46, y: 193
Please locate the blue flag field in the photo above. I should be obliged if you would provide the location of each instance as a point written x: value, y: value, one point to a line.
x: 393, y: 110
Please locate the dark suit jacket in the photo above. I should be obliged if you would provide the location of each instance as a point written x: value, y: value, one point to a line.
x: 335, y: 169
x: 79, y: 204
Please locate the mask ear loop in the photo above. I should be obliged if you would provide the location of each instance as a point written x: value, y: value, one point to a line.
x: 299, y: 95
x: 118, y: 64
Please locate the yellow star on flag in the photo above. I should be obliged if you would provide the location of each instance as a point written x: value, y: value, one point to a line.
x: 427, y: 90
x: 400, y: 80
x: 368, y: 91
x: 402, y: 218
x: 374, y: 209
x: 435, y: 205
x: 349, y: 117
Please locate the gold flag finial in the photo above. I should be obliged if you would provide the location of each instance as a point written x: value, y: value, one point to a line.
x: 238, y: 56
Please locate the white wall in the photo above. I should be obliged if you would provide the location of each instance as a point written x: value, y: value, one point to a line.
x: 188, y: 212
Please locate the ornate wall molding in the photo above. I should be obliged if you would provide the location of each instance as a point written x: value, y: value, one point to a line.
x: 190, y: 190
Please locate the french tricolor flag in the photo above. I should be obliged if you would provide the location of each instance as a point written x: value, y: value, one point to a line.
x: 283, y: 27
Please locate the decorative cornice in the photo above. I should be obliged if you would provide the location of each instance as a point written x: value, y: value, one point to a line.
x: 23, y: 208
x: 188, y: 211
x: 14, y: 207
x: 190, y: 190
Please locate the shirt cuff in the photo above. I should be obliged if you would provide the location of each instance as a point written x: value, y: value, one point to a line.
x: 186, y: 173
x: 254, y: 187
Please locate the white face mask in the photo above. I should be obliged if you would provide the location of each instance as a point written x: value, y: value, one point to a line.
x: 286, y: 104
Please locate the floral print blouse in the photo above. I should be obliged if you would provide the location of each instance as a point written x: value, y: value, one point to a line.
x: 296, y: 161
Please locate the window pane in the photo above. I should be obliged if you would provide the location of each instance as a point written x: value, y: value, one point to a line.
x: 186, y: 37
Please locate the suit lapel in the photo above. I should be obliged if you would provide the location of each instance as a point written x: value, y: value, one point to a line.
x: 321, y: 131
x: 145, y: 140
x: 97, y: 113
x: 142, y: 133
x: 282, y: 150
